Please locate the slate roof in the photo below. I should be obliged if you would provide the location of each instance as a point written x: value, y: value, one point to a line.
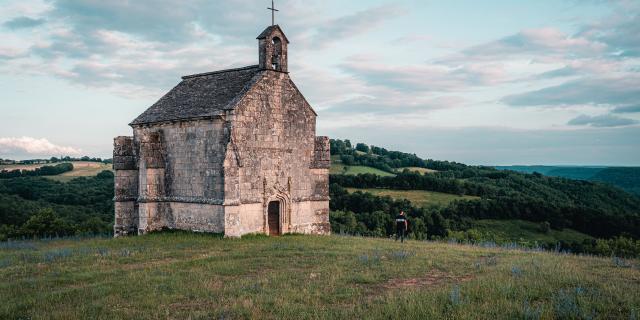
x: 270, y: 29
x: 201, y: 95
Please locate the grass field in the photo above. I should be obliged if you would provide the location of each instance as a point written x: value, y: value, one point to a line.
x: 199, y: 276
x: 80, y: 169
x: 10, y: 167
x: 338, y: 168
x: 516, y: 230
x: 418, y: 170
x: 419, y: 198
x: 354, y: 170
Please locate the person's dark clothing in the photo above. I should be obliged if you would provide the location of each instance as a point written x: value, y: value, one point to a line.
x: 401, y: 227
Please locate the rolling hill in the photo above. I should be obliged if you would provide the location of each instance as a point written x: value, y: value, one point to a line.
x: 197, y: 276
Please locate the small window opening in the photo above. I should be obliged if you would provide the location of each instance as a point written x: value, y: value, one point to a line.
x: 276, y: 57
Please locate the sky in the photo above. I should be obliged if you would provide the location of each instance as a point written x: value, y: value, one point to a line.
x: 552, y: 82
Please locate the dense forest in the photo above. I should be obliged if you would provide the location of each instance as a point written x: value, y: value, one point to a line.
x: 38, y: 207
x: 626, y: 178
x: 593, y: 208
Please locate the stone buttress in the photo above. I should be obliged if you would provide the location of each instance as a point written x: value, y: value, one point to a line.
x: 126, y: 186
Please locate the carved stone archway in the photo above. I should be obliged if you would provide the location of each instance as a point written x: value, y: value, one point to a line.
x: 284, y: 214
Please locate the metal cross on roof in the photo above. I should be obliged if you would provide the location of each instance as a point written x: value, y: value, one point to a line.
x: 273, y: 11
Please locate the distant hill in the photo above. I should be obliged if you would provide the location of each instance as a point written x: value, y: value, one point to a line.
x: 446, y: 199
x: 626, y: 178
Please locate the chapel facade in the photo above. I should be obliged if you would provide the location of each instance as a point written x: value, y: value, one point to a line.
x: 231, y: 151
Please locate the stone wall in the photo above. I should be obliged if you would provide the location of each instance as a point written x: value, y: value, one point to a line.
x: 181, y: 215
x: 270, y: 157
x: 311, y: 217
x: 181, y: 162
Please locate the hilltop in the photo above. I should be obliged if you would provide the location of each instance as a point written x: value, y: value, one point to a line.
x: 185, y: 275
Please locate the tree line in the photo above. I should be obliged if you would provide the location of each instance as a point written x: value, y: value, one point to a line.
x: 360, y: 213
x: 41, y: 171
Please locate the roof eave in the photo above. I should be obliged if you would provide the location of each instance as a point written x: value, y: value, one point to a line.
x: 186, y: 119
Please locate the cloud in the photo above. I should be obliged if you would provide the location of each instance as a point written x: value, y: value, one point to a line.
x: 179, y: 21
x: 23, y: 23
x: 621, y: 32
x: 11, y: 53
x: 547, y: 44
x: 120, y: 46
x: 627, y: 109
x: 354, y: 24
x: 424, y: 77
x: 605, y: 120
x: 609, y: 91
x: 34, y: 146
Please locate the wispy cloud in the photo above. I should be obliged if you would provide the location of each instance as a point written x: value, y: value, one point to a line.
x: 354, y: 24
x: 606, y: 120
x: 22, y: 23
x: 627, y: 109
x: 423, y: 77
x: 607, y: 91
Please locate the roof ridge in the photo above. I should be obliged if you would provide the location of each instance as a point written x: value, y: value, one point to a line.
x: 218, y: 72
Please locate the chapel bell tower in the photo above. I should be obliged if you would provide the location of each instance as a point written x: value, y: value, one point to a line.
x: 273, y: 49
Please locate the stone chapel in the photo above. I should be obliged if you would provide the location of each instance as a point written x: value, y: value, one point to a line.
x: 231, y: 151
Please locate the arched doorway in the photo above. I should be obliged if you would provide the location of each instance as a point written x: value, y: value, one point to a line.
x: 273, y: 218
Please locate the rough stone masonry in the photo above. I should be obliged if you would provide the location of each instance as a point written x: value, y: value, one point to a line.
x: 231, y: 151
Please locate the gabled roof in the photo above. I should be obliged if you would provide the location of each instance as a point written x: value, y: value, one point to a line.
x: 271, y: 29
x: 201, y: 95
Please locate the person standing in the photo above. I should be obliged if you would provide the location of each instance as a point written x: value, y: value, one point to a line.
x: 401, y: 226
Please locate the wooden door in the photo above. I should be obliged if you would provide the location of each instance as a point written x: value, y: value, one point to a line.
x: 273, y: 214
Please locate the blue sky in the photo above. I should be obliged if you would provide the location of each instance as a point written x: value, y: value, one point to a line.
x: 479, y: 82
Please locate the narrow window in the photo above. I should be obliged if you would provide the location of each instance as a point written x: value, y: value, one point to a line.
x: 277, y: 54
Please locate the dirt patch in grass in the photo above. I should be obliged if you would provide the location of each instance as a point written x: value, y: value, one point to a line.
x: 432, y: 279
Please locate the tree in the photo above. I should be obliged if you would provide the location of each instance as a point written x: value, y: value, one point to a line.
x: 45, y: 222
x: 362, y: 147
x: 346, y: 159
x: 105, y: 174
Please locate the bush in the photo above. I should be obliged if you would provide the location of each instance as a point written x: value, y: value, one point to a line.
x: 45, y: 223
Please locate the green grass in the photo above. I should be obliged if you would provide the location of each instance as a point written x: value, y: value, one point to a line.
x: 338, y: 168
x: 80, y: 169
x: 418, y: 169
x: 355, y: 170
x: 419, y: 198
x: 517, y: 230
x: 198, y: 276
